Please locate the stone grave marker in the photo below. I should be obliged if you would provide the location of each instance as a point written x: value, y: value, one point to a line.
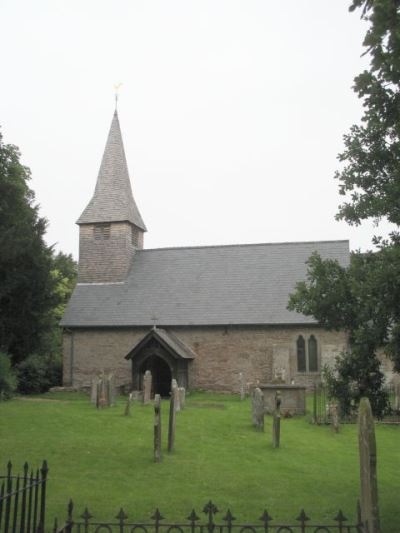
x: 110, y: 386
x: 93, y: 390
x: 334, y: 409
x: 147, y: 379
x: 276, y: 422
x: 368, y: 476
x: 157, y: 428
x: 172, y: 420
x: 182, y: 397
x: 128, y: 405
x: 175, y: 391
x: 258, y: 409
x: 397, y: 397
x: 242, y: 386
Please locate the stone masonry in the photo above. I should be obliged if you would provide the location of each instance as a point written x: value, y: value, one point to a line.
x: 221, y: 353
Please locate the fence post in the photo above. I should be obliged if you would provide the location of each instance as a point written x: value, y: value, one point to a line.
x: 42, y: 516
x: 315, y: 404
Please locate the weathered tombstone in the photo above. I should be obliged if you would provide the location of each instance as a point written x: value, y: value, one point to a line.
x: 276, y: 423
x: 102, y: 393
x: 368, y: 477
x: 182, y: 397
x: 175, y: 391
x: 93, y: 390
x: 172, y: 420
x: 242, y: 386
x: 128, y: 405
x: 157, y: 428
x: 147, y: 387
x: 258, y: 409
x: 335, y: 417
x: 110, y: 385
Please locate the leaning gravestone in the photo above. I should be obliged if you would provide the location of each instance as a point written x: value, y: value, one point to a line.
x: 258, y: 409
x: 147, y: 387
x: 276, y: 423
x: 368, y: 477
x: 157, y: 428
x: 172, y: 420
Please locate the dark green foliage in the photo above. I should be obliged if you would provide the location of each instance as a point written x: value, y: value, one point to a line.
x: 371, y: 175
x: 38, y: 373
x: 354, y: 299
x: 7, y: 377
x: 26, y: 284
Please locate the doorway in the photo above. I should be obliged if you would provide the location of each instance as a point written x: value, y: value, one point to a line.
x: 161, y: 374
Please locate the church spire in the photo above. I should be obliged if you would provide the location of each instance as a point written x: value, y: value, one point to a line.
x: 112, y: 200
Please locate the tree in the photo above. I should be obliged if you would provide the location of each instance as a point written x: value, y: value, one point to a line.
x: 27, y: 287
x: 364, y: 298
x: 371, y: 176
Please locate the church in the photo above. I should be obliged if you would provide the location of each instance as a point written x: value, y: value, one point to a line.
x: 201, y: 315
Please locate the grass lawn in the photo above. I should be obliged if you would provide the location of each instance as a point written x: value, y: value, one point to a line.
x: 104, y: 460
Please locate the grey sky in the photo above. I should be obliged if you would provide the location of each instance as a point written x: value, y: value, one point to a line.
x: 232, y: 112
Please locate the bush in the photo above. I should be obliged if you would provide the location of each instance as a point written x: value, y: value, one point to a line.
x: 38, y: 373
x: 8, y: 379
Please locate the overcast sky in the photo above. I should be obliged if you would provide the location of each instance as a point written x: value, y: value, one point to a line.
x: 232, y: 112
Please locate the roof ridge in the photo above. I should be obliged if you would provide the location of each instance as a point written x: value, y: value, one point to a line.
x: 242, y: 245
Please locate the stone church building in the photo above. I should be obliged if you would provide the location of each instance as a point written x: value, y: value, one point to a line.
x: 198, y: 314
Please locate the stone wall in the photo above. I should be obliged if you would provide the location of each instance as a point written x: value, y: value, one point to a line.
x: 221, y: 353
x: 105, y: 260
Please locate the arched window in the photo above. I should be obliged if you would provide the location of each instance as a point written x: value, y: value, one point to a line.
x: 312, y: 354
x: 301, y: 354
x: 307, y: 354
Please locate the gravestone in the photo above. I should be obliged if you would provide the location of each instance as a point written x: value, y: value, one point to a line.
x: 334, y: 410
x: 276, y: 423
x: 147, y: 379
x: 182, y: 397
x: 258, y: 409
x: 93, y: 390
x: 128, y: 405
x: 110, y: 388
x: 175, y: 391
x: 157, y: 428
x: 368, y: 477
x: 172, y: 420
x: 242, y: 386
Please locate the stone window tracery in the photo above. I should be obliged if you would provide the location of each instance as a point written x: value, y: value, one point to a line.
x: 307, y: 354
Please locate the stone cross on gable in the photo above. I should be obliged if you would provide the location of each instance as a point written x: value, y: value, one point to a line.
x: 154, y: 319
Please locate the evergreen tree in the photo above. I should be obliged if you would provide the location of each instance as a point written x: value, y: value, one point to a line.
x: 27, y: 287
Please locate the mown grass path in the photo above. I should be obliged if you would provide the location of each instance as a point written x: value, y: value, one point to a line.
x: 104, y: 460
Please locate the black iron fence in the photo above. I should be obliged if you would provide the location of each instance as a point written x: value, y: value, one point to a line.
x: 323, y: 407
x: 86, y: 523
x: 23, y: 500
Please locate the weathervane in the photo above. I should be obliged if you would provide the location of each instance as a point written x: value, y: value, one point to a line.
x: 116, y: 88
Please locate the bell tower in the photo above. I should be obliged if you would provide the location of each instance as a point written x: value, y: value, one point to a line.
x: 110, y: 228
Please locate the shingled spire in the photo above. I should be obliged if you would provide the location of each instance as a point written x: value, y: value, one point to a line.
x: 113, y: 200
x: 111, y: 228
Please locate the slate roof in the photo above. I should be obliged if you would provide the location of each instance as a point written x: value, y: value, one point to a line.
x: 112, y: 200
x: 167, y: 339
x: 211, y: 285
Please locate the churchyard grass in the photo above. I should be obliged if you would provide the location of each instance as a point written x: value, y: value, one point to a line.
x: 104, y: 460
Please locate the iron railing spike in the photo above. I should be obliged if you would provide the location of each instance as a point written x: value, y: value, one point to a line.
x: 193, y: 516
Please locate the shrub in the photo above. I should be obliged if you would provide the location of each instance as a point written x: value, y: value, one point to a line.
x: 38, y: 373
x: 8, y: 379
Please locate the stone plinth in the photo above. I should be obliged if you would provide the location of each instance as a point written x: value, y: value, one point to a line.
x: 293, y: 398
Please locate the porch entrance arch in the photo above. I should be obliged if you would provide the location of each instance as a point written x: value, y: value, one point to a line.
x: 167, y: 358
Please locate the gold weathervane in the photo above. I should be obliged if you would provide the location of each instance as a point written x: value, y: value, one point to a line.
x: 116, y: 88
